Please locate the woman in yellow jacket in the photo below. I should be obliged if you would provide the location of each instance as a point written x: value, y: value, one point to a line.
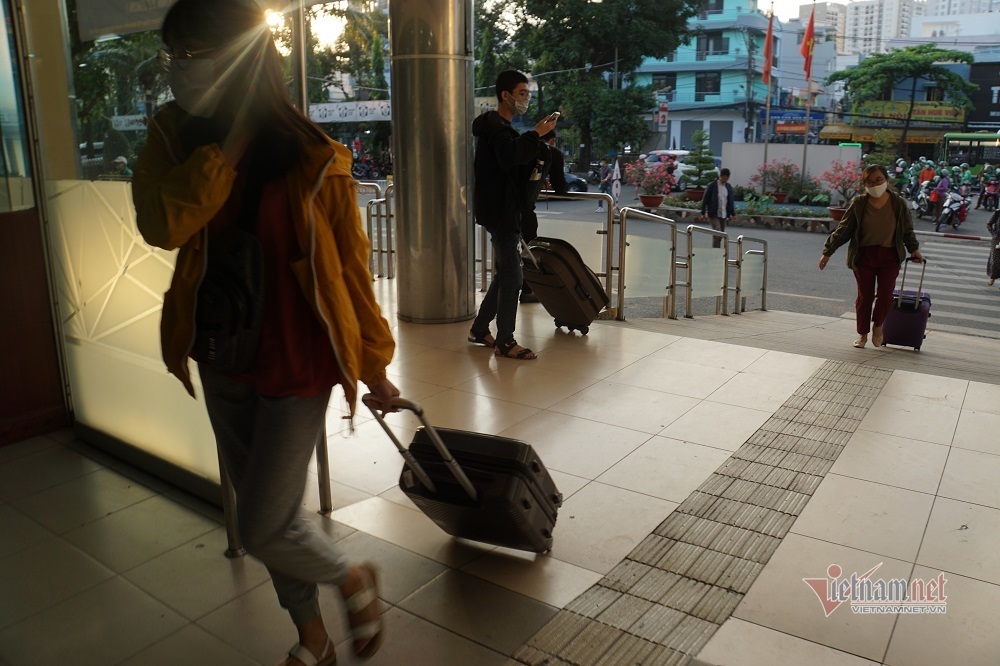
x: 231, y: 152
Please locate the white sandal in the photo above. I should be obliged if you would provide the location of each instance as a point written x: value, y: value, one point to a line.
x: 358, y: 602
x: 303, y: 654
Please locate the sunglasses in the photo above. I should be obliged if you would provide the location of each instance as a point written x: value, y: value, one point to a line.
x: 168, y: 56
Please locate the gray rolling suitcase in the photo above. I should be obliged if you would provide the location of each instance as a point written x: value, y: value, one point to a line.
x: 565, y: 286
x: 478, y: 487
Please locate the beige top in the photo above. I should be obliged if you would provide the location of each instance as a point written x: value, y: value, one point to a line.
x: 878, y: 225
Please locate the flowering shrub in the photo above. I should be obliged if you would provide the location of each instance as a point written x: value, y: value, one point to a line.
x: 776, y: 176
x: 654, y: 180
x: 844, y: 179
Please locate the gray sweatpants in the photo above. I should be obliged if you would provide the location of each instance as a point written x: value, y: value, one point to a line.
x: 266, y: 444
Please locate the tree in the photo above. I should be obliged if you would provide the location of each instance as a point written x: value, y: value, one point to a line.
x: 592, y: 40
x: 701, y: 162
x: 883, y: 152
x: 878, y: 74
x: 495, y: 50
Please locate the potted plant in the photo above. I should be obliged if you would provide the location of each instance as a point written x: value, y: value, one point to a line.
x: 654, y: 182
x: 844, y: 178
x: 776, y: 178
x: 700, y: 166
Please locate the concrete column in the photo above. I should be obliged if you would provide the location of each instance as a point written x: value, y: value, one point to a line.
x: 432, y: 107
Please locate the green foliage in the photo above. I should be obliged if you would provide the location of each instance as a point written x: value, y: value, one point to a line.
x: 740, y: 192
x: 618, y: 118
x: 776, y: 176
x: 805, y: 189
x: 581, y: 38
x: 495, y: 49
x: 701, y: 162
x: 884, y: 151
x: 876, y: 76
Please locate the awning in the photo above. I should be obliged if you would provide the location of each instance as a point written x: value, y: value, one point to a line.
x: 836, y: 131
x: 915, y: 135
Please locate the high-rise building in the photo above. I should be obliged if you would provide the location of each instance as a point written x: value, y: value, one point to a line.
x: 950, y: 7
x: 831, y: 14
x: 871, y: 24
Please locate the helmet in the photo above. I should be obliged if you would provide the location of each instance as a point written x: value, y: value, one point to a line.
x: 956, y: 169
x: 937, y: 178
x: 900, y: 162
x: 965, y: 165
x: 942, y: 172
x: 988, y: 168
x: 922, y: 159
x: 992, y: 181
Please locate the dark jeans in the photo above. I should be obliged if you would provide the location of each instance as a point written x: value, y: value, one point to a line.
x: 500, y: 302
x: 875, y: 270
x: 719, y: 224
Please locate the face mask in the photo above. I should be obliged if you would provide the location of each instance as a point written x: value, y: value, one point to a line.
x: 195, y: 87
x: 521, y: 106
x: 876, y: 191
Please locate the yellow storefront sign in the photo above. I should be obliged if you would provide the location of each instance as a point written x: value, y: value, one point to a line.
x: 893, y: 114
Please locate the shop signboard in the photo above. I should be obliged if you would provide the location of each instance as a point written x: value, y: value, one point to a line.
x: 790, y: 128
x: 893, y: 113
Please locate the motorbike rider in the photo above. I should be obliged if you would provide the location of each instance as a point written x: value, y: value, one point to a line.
x: 941, y: 193
x: 986, y: 174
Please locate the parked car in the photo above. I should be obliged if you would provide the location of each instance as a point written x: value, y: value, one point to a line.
x: 576, y: 184
x: 656, y: 156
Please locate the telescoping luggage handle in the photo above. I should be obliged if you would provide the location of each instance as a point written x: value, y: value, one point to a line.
x: 369, y: 401
x: 527, y: 250
x: 920, y: 287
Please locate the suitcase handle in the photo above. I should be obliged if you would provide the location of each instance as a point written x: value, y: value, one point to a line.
x: 920, y: 287
x: 400, y: 403
x: 527, y: 250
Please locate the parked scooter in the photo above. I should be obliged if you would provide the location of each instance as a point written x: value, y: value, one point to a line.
x: 954, y: 211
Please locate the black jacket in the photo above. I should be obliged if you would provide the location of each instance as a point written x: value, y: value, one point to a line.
x: 503, y: 164
x: 710, y: 201
x: 551, y: 166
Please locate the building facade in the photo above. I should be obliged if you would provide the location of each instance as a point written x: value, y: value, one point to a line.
x: 870, y: 24
x: 830, y: 14
x: 714, y: 81
x: 950, y: 7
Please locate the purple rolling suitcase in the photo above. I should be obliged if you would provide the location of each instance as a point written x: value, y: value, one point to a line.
x: 906, y: 323
x: 478, y: 487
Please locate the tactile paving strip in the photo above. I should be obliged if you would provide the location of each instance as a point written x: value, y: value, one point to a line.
x: 663, y: 603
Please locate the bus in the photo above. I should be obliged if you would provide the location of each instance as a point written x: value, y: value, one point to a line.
x: 973, y: 148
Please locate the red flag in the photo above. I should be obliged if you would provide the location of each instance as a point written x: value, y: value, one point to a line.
x: 768, y: 54
x: 807, y: 44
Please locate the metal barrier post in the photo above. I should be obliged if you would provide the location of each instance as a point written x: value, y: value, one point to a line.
x: 371, y: 236
x: 740, y: 304
x: 390, y: 244
x: 229, y: 511
x: 668, y: 301
x: 323, y: 472
x: 484, y: 244
x: 724, y: 292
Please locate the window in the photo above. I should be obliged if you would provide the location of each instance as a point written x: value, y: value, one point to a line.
x: 933, y: 94
x: 706, y: 83
x: 665, y: 80
x: 711, y: 43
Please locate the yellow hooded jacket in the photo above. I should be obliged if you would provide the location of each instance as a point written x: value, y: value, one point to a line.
x: 176, y: 196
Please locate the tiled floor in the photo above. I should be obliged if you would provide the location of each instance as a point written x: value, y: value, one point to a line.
x: 100, y: 564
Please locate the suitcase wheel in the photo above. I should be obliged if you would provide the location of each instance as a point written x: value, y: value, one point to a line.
x: 570, y: 327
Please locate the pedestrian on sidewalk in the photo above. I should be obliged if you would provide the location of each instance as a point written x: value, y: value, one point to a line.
x: 717, y: 204
x: 993, y: 263
x: 605, y: 187
x: 260, y: 203
x: 879, y: 228
x: 505, y: 162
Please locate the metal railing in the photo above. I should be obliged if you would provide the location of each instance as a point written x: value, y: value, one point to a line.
x: 693, y: 272
x: 670, y: 298
x: 379, y: 217
x: 751, y: 273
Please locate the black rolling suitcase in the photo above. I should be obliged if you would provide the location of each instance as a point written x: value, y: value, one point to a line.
x: 565, y: 286
x: 478, y: 487
x: 906, y: 323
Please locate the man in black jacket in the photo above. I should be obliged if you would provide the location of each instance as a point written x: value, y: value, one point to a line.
x: 505, y: 163
x: 717, y: 204
x: 552, y: 165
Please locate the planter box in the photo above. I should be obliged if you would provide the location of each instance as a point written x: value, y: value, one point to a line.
x: 686, y: 216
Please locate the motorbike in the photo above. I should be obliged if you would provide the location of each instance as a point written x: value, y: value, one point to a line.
x: 366, y: 170
x: 991, y: 196
x: 921, y: 203
x: 954, y: 211
x: 594, y: 175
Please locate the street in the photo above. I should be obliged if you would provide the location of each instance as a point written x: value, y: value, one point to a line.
x: 955, y: 278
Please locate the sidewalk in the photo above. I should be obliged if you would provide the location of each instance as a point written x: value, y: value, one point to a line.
x: 708, y: 467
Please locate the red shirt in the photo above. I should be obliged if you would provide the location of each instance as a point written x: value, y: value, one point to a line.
x: 295, y: 357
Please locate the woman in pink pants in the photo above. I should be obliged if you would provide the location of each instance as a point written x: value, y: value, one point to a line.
x: 879, y: 228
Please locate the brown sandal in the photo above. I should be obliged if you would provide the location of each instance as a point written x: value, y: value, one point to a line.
x: 505, y: 348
